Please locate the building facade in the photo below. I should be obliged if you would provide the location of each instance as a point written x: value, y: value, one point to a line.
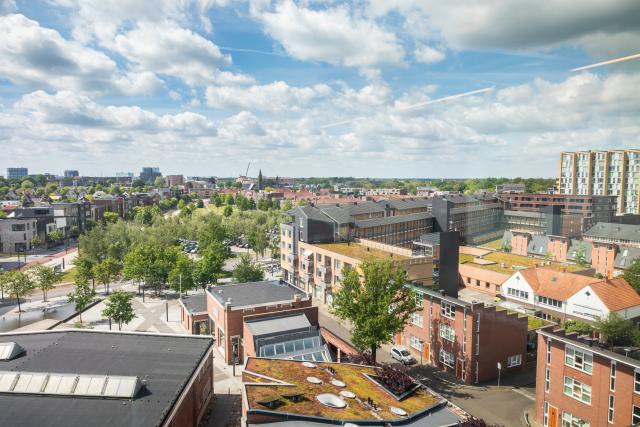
x: 17, y: 173
x: 477, y: 218
x: 149, y: 174
x: 71, y: 173
x: 174, y: 180
x: 580, y: 383
x: 603, y: 173
x: 465, y: 339
x: 16, y: 234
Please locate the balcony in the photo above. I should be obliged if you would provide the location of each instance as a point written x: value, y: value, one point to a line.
x: 325, y: 273
x: 307, y: 265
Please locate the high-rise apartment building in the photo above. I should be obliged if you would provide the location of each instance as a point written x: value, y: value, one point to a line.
x: 71, y: 173
x: 17, y: 173
x: 603, y: 173
x: 149, y: 174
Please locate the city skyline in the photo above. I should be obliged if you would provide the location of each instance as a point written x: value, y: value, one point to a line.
x: 314, y: 89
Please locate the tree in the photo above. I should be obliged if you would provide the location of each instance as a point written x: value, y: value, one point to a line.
x: 582, y: 328
x: 26, y: 185
x: 119, y: 309
x: 82, y: 295
x: 111, y: 217
x: 36, y: 242
x: 579, y: 255
x: 228, y: 210
x: 632, y: 275
x: 247, y: 270
x: 56, y: 235
x: 4, y: 282
x: 106, y: 271
x: 209, y: 267
x: 84, y: 268
x: 159, y: 182
x: 181, y: 276
x: 19, y: 284
x: 287, y: 205
x: 258, y: 241
x: 378, y: 307
x: 44, y: 278
x: 617, y: 331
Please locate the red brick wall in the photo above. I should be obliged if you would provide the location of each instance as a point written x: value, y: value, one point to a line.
x: 519, y: 244
x: 602, y: 258
x: 558, y: 249
x: 195, y: 398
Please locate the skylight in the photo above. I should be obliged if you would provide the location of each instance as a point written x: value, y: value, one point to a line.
x: 10, y: 350
x: 116, y: 387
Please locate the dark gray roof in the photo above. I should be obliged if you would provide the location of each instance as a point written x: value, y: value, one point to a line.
x: 525, y: 214
x: 433, y: 238
x: 573, y: 246
x: 195, y: 303
x: 538, y: 245
x: 397, y: 219
x: 401, y: 204
x: 458, y: 198
x: 310, y: 212
x: 255, y: 293
x: 607, y: 230
x: 278, y: 324
x: 165, y: 362
x: 625, y: 257
x: 336, y: 213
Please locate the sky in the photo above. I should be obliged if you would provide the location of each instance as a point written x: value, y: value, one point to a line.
x: 314, y: 87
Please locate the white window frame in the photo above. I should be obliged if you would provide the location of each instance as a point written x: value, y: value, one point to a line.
x: 447, y: 358
x: 447, y: 332
x: 578, y: 359
x: 548, y: 351
x: 417, y: 319
x: 570, y: 420
x: 635, y: 418
x: 419, y: 300
x: 610, y: 412
x: 515, y: 360
x: 447, y: 310
x: 612, y: 376
x: 547, y: 379
x: 545, y: 419
x: 636, y: 381
x: 416, y: 342
x: 584, y: 390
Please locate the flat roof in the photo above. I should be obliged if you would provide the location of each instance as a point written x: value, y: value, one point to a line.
x: 358, y: 251
x: 277, y: 324
x: 164, y: 363
x: 271, y: 378
x: 255, y: 293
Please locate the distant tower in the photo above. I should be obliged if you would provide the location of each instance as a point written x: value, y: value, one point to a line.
x: 260, y: 183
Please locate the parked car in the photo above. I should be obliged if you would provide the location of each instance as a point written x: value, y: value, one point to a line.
x: 402, y: 355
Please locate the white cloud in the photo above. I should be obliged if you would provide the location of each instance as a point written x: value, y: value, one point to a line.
x: 273, y: 97
x: 331, y: 34
x: 428, y: 55
x: 41, y: 57
x: 167, y: 49
x: 7, y: 6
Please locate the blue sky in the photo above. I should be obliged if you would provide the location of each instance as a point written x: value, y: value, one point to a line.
x: 201, y: 87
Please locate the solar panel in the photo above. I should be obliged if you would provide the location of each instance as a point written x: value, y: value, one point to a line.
x: 69, y: 384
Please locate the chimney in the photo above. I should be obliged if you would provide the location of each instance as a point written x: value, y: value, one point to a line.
x: 609, y: 274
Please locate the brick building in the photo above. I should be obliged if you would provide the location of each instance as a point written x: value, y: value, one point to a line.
x: 174, y: 180
x: 465, y: 339
x: 104, y: 378
x: 229, y: 305
x: 580, y: 383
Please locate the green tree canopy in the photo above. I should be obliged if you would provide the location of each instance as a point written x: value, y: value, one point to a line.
x: 19, y: 284
x: 107, y: 271
x: 82, y: 295
x: 578, y: 326
x: 44, y: 278
x: 247, y: 271
x: 617, y: 331
x: 632, y: 275
x: 111, y: 217
x: 119, y: 308
x: 181, y: 275
x: 209, y: 266
x: 378, y: 306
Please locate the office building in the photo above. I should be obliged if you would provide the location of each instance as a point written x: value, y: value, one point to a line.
x: 17, y: 173
x: 16, y: 234
x: 81, y: 377
x: 465, y: 339
x: 294, y: 393
x: 603, y: 173
x: 580, y: 382
x: 71, y: 173
x: 148, y: 175
x: 478, y: 218
x: 174, y: 180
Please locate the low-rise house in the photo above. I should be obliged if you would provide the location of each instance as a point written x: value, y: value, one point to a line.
x: 193, y: 314
x: 229, y: 305
x: 104, y: 379
x: 581, y: 383
x: 294, y: 393
x: 465, y: 339
x: 561, y: 295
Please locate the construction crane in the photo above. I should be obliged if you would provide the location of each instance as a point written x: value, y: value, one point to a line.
x: 247, y: 171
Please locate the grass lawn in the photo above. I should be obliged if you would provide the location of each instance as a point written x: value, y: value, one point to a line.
x: 359, y: 252
x: 511, y: 260
x: 68, y: 276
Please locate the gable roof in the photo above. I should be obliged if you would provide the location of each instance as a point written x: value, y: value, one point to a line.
x: 625, y: 257
x: 616, y: 294
x: 608, y: 230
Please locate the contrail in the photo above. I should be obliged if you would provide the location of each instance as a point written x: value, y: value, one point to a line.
x: 610, y: 61
x: 261, y: 52
x: 412, y: 106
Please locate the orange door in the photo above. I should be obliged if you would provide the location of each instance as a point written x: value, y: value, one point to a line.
x: 426, y: 355
x: 553, y: 416
x: 459, y: 368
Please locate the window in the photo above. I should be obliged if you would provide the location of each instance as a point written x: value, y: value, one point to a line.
x: 636, y: 382
x: 578, y: 359
x: 569, y: 420
x: 547, y: 379
x: 612, y: 379
x: 447, y: 310
x: 610, y: 413
x: 577, y: 390
x: 447, y: 358
x: 415, y: 342
x: 546, y: 414
x: 635, y: 415
x: 17, y: 227
x: 447, y: 332
x: 419, y: 298
x: 517, y: 293
x: 550, y: 302
x: 548, y: 351
x: 416, y: 318
x: 515, y: 360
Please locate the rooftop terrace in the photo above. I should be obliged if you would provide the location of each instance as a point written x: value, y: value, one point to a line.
x: 511, y: 263
x: 360, y: 252
x: 269, y: 379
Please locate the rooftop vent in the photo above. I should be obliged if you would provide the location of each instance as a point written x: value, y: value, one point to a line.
x: 331, y: 400
x: 10, y: 350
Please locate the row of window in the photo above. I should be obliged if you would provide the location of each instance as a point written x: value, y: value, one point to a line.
x: 549, y: 301
x: 517, y: 293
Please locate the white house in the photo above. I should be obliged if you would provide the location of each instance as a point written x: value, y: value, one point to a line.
x: 571, y: 296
